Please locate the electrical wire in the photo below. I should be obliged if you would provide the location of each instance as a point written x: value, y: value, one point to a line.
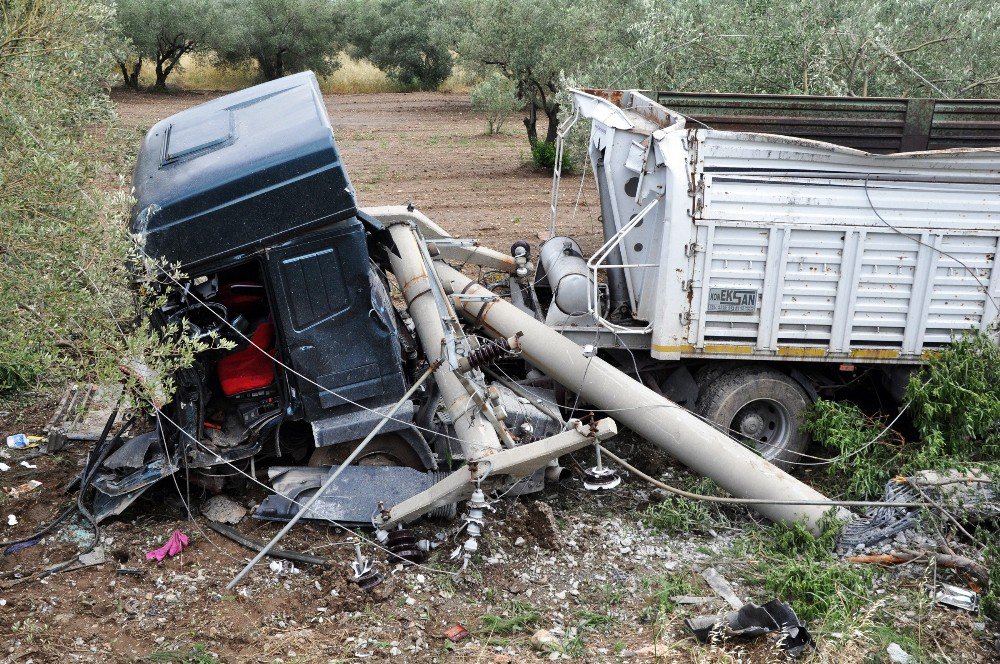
x: 749, y: 501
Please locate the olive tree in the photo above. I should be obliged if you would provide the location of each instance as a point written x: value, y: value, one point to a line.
x: 826, y: 47
x: 282, y: 36
x: 162, y: 32
x: 535, y: 44
x: 409, y: 40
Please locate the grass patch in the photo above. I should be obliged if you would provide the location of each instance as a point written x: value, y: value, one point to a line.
x: 795, y: 566
x: 676, y: 515
x: 352, y: 77
x: 521, y: 616
x: 663, y: 588
x: 196, y: 654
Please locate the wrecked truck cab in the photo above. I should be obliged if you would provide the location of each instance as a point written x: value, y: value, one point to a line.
x: 248, y: 196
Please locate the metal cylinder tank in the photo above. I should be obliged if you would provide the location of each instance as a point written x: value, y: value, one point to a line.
x: 567, y: 274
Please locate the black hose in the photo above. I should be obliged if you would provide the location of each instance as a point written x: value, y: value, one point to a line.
x: 257, y: 545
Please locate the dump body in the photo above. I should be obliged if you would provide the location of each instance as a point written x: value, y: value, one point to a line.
x: 757, y: 246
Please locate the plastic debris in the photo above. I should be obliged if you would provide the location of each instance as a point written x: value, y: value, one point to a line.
x: 14, y: 548
x: 28, y: 465
x: 175, y: 544
x: 22, y: 441
x: 27, y: 487
x: 456, y: 632
x: 4, y: 467
x: 11, y: 520
x: 752, y: 621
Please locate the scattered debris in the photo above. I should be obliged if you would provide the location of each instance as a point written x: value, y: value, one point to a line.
x: 4, y: 467
x: 175, y: 544
x: 961, y: 563
x: 456, y: 632
x: 20, y: 489
x: 960, y: 598
x: 82, y: 414
x: 11, y: 520
x: 223, y: 509
x: 688, y: 599
x: 719, y: 584
x: 752, y: 621
x: 969, y: 495
x: 897, y: 655
x: 257, y: 545
x: 29, y: 465
x: 96, y: 556
x: 21, y: 441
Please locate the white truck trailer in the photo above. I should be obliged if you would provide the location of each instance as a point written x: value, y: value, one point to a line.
x: 759, y: 267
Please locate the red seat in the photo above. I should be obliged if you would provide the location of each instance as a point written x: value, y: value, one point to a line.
x: 250, y: 368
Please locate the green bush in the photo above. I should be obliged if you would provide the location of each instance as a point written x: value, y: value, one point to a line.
x: 409, y: 40
x: 65, y: 304
x: 496, y: 98
x: 954, y: 400
x: 544, y: 156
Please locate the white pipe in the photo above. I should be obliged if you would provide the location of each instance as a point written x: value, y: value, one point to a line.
x: 477, y: 435
x: 693, y: 442
x: 488, y: 258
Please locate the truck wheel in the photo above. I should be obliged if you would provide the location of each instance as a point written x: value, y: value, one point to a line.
x: 762, y: 408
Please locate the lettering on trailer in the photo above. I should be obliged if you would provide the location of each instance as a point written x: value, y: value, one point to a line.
x: 732, y: 300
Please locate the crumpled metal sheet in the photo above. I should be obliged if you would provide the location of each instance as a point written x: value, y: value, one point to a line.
x: 752, y: 621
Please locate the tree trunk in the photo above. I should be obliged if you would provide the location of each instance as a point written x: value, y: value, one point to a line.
x: 531, y: 122
x: 553, y: 115
x: 130, y: 75
x: 161, y: 77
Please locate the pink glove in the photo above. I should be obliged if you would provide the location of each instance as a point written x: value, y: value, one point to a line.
x: 174, y: 545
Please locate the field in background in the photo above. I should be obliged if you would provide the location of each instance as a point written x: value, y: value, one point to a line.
x: 353, y: 76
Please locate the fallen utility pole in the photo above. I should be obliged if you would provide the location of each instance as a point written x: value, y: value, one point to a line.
x: 693, y: 442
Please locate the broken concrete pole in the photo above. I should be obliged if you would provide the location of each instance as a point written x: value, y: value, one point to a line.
x: 682, y: 435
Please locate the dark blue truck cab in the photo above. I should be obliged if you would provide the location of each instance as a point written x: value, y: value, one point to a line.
x: 247, y: 195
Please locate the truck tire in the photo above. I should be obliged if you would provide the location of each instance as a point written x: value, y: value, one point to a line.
x: 761, y: 407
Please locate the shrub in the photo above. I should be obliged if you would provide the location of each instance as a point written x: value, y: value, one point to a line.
x: 496, y: 98
x: 544, y: 156
x: 955, y: 400
x: 66, y: 308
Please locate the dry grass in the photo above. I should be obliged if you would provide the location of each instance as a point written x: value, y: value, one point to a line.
x: 352, y: 77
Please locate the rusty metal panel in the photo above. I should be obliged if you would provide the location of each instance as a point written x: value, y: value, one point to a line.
x: 874, y: 124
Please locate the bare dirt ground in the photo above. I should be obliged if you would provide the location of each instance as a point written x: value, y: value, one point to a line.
x: 590, y: 573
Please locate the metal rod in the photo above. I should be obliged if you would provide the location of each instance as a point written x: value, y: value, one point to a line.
x: 333, y: 478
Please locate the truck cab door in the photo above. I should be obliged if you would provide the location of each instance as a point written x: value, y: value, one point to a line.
x: 336, y: 322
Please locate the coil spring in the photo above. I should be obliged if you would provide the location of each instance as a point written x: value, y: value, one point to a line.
x: 489, y: 353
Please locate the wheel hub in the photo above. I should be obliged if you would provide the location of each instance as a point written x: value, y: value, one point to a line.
x: 752, y: 425
x: 764, y: 424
